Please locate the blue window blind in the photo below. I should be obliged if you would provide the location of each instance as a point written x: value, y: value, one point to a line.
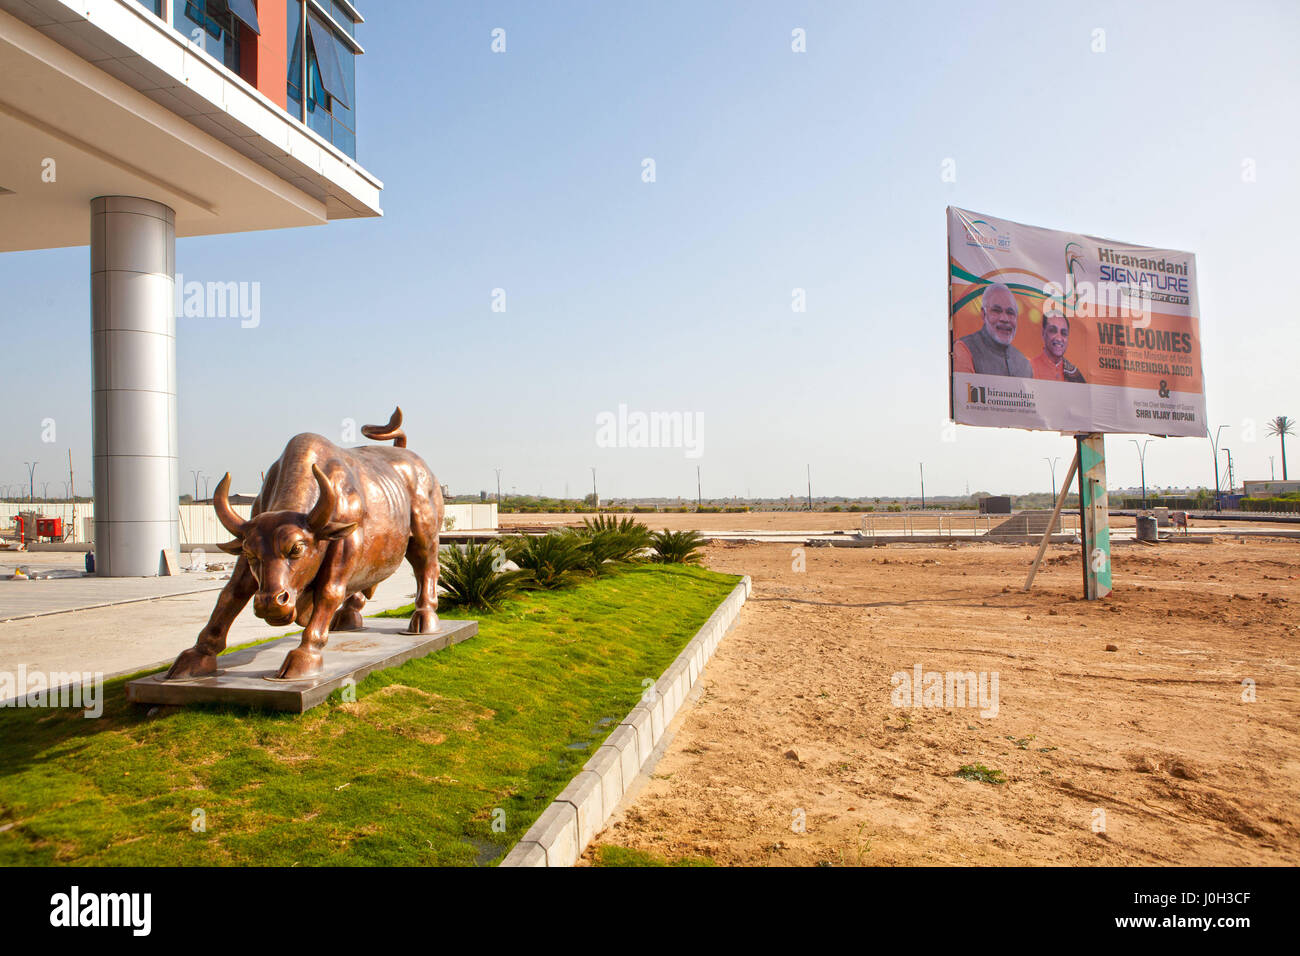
x: 245, y: 10
x: 327, y: 58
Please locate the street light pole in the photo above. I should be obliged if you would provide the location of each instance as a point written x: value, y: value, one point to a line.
x: 809, y: 487
x: 922, y: 486
x: 1142, y: 457
x: 699, y: 490
x: 1051, y: 463
x: 1214, y: 443
x: 31, y: 482
x: 195, y: 473
x: 498, y: 471
x: 595, y: 495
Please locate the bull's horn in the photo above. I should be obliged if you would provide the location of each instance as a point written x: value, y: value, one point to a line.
x: 226, y: 514
x: 324, y: 510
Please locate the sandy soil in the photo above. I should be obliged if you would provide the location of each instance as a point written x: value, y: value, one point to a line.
x: 1146, y: 754
x: 777, y: 521
x: 675, y: 521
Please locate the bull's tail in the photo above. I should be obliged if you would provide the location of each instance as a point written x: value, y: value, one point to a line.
x: 390, y: 432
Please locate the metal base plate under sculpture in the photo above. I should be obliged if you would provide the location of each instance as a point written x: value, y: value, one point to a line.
x: 246, y: 677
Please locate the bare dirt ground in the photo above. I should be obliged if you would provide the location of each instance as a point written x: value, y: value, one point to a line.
x: 799, y: 521
x: 677, y: 521
x: 1147, y: 754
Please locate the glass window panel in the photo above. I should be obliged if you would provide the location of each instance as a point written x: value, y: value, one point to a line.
x: 191, y: 20
x: 209, y: 24
x: 347, y: 70
x: 331, y: 76
x: 342, y: 114
x: 345, y: 140
x: 294, y: 32
x: 341, y: 17
x: 230, y: 47
x: 319, y: 119
x: 316, y: 93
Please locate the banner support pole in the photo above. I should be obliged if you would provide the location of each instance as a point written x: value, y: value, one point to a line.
x: 1056, y: 513
x: 1094, y: 512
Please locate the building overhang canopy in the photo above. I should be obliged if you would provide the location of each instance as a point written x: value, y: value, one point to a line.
x: 110, y: 101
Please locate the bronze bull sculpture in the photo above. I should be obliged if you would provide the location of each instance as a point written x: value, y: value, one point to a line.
x: 328, y: 526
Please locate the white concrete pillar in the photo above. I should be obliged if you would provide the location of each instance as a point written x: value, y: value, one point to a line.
x: 133, y: 334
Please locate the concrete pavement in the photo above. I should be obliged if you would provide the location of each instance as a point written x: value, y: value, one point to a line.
x: 127, y: 637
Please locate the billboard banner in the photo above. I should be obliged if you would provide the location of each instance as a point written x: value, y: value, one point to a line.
x: 1065, y: 332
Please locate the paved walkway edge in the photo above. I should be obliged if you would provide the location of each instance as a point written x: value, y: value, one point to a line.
x: 564, y: 829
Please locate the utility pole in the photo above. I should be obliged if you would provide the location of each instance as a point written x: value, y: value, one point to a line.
x: 1142, y: 457
x: 72, y: 495
x: 1051, y: 463
x: 31, y: 481
x: 1231, y: 476
x: 810, y: 487
x: 922, y: 486
x: 1214, y: 443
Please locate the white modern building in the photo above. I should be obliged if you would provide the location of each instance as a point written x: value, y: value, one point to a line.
x: 127, y: 123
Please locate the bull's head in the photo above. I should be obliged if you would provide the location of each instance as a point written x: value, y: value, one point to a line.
x: 284, y: 549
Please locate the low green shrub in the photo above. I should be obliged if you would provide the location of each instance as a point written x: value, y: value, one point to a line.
x: 474, y: 578
x: 553, y: 560
x: 615, y: 539
x: 678, y: 547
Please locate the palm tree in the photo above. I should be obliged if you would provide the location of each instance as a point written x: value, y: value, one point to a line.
x: 1281, y: 427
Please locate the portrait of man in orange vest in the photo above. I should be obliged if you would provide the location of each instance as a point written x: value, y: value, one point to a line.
x: 1052, y: 363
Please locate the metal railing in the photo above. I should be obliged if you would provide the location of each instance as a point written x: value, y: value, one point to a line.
x: 906, y: 525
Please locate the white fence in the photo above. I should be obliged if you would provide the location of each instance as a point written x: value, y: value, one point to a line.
x: 199, y: 523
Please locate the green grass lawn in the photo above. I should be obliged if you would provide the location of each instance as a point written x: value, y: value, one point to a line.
x: 622, y: 856
x: 409, y: 774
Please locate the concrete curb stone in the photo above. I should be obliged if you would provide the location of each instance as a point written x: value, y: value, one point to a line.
x: 564, y: 829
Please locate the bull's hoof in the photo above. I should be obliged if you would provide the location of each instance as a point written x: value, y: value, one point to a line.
x: 423, y: 621
x: 347, y: 621
x: 192, y: 663
x: 298, y: 664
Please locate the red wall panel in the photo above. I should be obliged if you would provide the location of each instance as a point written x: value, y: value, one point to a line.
x: 271, y: 66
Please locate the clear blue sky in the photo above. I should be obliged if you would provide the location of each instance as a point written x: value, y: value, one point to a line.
x: 775, y: 170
